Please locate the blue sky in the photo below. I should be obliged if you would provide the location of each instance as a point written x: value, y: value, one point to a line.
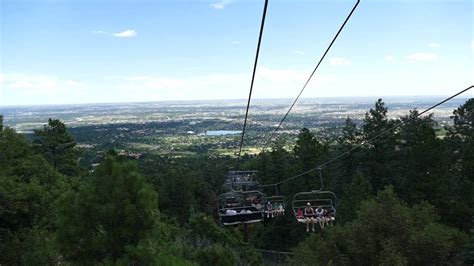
x: 58, y: 51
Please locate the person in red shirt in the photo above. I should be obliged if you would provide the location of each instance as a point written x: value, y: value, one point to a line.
x: 299, y: 214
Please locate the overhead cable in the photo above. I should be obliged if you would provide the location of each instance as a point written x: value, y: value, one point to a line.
x: 369, y: 140
x: 253, y: 76
x: 310, y: 76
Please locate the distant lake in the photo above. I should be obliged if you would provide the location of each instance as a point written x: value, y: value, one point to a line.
x: 221, y: 132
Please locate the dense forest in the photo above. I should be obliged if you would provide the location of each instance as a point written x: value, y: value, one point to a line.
x: 406, y: 198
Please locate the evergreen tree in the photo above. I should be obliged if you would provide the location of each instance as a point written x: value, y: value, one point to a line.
x: 176, y: 193
x: 28, y: 188
x: 386, y: 231
x: 419, y: 169
x: 459, y: 146
x: 353, y: 196
x: 307, y: 152
x: 274, y: 165
x: 108, y: 216
x: 347, y: 166
x: 462, y: 136
x: 463, y: 118
x: 378, y: 155
x: 57, y: 146
x: 208, y: 244
x: 350, y: 134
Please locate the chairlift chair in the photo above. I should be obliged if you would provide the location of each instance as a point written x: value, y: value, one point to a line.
x: 241, y: 181
x: 327, y: 200
x: 273, y: 200
x: 240, y: 207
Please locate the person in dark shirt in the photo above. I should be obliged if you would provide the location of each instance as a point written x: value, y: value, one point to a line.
x: 309, y: 216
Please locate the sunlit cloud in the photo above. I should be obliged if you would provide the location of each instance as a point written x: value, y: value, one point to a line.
x: 125, y: 34
x: 32, y: 83
x: 122, y: 34
x: 388, y: 57
x: 434, y: 45
x: 73, y: 83
x: 276, y: 81
x: 221, y: 4
x: 339, y: 61
x: 422, y: 57
x: 32, y: 88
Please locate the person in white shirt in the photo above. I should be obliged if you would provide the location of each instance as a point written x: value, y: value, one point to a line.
x: 319, y: 216
x: 269, y: 209
x: 230, y: 212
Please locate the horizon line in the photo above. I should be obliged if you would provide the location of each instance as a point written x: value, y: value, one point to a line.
x: 231, y: 99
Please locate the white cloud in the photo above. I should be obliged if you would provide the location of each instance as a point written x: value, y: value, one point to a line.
x: 221, y: 4
x: 73, y: 83
x: 339, y: 61
x: 434, y: 45
x: 298, y: 52
x: 422, y: 57
x: 122, y: 34
x: 32, y: 84
x: 388, y: 57
x: 235, y: 42
x: 269, y: 81
x: 31, y: 88
x: 126, y: 34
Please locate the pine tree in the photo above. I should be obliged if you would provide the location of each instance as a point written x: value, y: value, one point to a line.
x: 379, y: 153
x: 110, y: 214
x: 28, y: 187
x: 57, y: 146
x: 348, y: 165
x: 385, y: 232
x: 463, y: 118
x: 350, y: 134
x: 308, y: 152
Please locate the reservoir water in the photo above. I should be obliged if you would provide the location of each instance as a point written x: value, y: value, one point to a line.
x: 222, y: 132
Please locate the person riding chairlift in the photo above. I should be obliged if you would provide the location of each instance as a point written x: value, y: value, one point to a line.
x: 309, y: 214
x: 281, y: 209
x: 320, y: 216
x: 275, y: 208
x: 299, y: 214
x: 230, y: 212
x: 329, y: 217
x: 269, y: 209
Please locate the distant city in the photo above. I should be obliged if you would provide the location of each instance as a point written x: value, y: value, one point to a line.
x: 187, y: 128
x: 262, y: 111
